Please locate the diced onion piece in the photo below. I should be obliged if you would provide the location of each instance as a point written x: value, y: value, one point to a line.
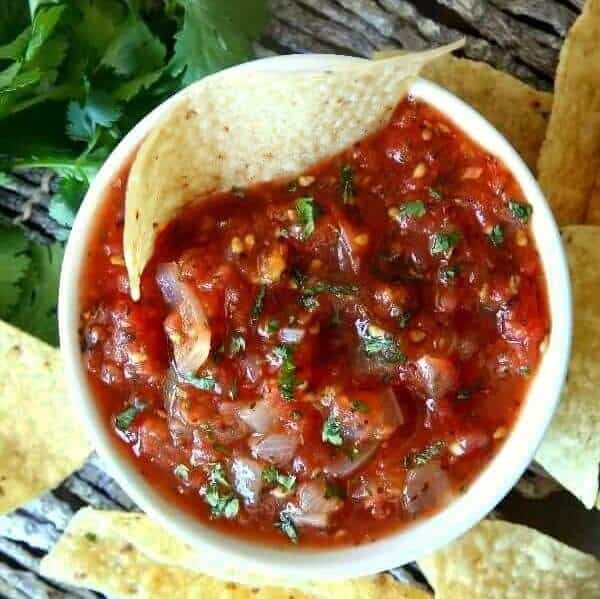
x: 191, y: 338
x: 247, y: 478
x: 344, y: 465
x: 291, y: 335
x: 277, y: 448
x: 258, y: 416
x: 314, y: 520
x: 438, y: 376
x: 425, y: 487
x: 311, y: 498
x: 392, y: 414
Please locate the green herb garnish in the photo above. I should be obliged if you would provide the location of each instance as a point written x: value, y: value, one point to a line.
x: 204, y: 382
x: 337, y: 289
x: 91, y: 537
x: 359, y: 406
x: 272, y: 326
x: 308, y: 302
x: 497, y: 235
x: 259, y: 303
x: 287, y: 526
x: 422, y: 457
x: 307, y: 212
x: 125, y: 419
x: 347, y: 177
x: 222, y: 503
x: 237, y: 344
x: 521, y: 212
x: 448, y: 273
x: 272, y: 476
x: 182, y: 471
x: 287, y: 371
x: 442, y: 243
x: 376, y: 341
x: 404, y: 320
x: 216, y: 475
x: 413, y: 209
x: 435, y: 194
x: 332, y: 432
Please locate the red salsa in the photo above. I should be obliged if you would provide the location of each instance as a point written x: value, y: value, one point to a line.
x: 325, y: 359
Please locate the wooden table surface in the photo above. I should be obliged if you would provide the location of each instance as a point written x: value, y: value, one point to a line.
x: 519, y: 36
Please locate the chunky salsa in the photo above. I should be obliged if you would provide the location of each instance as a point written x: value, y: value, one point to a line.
x: 322, y: 360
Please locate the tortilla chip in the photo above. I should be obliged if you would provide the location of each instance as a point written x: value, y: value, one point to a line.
x: 570, y: 156
x: 593, y: 212
x: 129, y: 555
x: 235, y: 129
x: 500, y: 559
x: 40, y: 439
x: 570, y: 451
x: 519, y: 111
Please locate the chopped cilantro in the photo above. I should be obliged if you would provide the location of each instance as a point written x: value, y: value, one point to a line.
x: 413, y: 209
x: 204, y: 382
x: 308, y: 302
x: 497, y: 235
x: 182, y: 471
x: 404, y: 320
x: 287, y: 526
x: 125, y: 419
x: 237, y: 344
x: 337, y: 289
x: 442, y: 243
x: 272, y: 326
x: 222, y: 503
x: 91, y: 537
x: 521, y: 212
x: 359, y: 406
x: 259, y: 304
x: 307, y: 212
x: 287, y: 371
x: 422, y: 457
x: 272, y: 476
x: 347, y: 178
x: 377, y: 342
x: 333, y: 490
x: 435, y: 194
x: 448, y: 273
x: 216, y: 475
x: 332, y: 432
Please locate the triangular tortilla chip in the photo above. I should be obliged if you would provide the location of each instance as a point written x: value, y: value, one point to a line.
x: 498, y: 559
x: 234, y: 129
x: 570, y: 156
x: 129, y: 555
x: 41, y: 442
x: 570, y: 451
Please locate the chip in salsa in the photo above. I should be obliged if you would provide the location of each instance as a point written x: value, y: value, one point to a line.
x: 325, y: 358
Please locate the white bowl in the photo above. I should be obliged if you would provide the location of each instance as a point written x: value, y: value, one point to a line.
x: 410, y: 543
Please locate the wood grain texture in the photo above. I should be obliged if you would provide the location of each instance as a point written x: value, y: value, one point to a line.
x: 522, y: 37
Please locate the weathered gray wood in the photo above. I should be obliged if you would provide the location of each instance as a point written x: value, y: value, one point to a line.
x: 559, y: 17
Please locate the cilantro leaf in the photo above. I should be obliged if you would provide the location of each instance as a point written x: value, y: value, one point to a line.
x: 99, y: 110
x: 287, y: 526
x: 347, y: 178
x: 497, y: 235
x: 332, y: 432
x: 45, y: 21
x: 521, y: 212
x: 259, y: 304
x: 272, y: 476
x: 287, y: 371
x: 423, y: 456
x: 135, y: 50
x: 14, y: 265
x: 66, y: 201
x: 377, y: 342
x: 221, y: 503
x: 36, y: 312
x: 307, y: 211
x: 216, y: 35
x: 413, y: 209
x: 125, y: 419
x: 442, y: 243
x: 204, y: 382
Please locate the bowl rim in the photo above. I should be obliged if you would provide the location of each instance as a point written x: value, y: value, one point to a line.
x: 226, y: 553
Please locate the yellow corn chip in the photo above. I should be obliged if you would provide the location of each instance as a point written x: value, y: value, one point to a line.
x: 40, y: 439
x: 593, y: 212
x: 500, y: 560
x: 128, y: 555
x: 570, y: 451
x: 234, y: 129
x: 516, y: 109
x: 570, y: 156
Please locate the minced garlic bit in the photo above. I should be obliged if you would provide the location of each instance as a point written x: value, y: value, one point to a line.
x: 315, y: 264
x: 514, y: 283
x: 484, y: 292
x: 427, y: 134
x: 420, y: 170
x: 249, y: 241
x: 306, y: 180
x: 237, y: 247
x: 416, y: 335
x: 500, y: 432
x: 544, y: 344
x: 394, y: 213
x: 521, y: 238
x: 472, y: 172
x: 455, y: 448
x: 362, y: 239
x: 117, y: 260
x: 271, y: 266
